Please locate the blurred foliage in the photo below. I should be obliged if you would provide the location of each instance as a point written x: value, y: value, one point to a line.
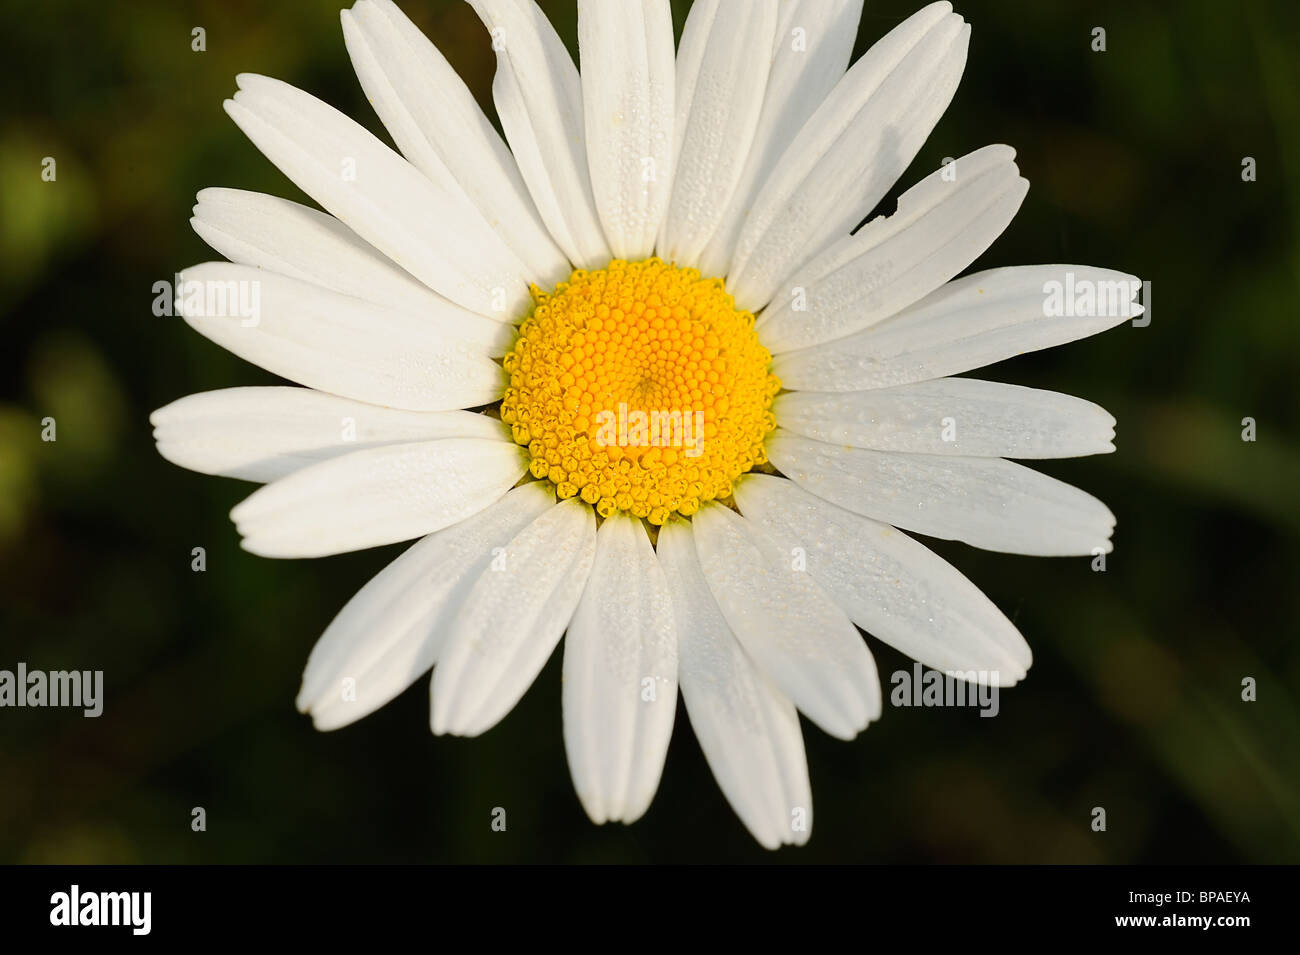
x: 1133, y: 702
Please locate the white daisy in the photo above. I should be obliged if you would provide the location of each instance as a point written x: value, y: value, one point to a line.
x: 658, y: 234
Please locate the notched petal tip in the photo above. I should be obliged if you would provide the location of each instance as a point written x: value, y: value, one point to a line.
x: 246, y: 82
x: 161, y: 416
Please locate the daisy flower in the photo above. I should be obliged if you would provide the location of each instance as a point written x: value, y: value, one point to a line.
x: 631, y: 378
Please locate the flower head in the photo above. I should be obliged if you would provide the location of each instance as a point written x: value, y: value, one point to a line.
x: 634, y: 374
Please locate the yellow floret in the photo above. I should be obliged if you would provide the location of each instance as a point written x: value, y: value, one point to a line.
x: 641, y: 387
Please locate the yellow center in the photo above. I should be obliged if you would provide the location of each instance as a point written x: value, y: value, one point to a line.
x: 640, y: 387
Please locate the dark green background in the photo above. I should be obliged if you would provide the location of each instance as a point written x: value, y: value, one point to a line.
x: 1133, y: 702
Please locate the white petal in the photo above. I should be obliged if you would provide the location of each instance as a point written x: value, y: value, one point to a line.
x: 719, y: 96
x: 851, y: 151
x: 337, y: 343
x: 434, y: 233
x: 378, y: 496
x: 438, y: 126
x: 278, y: 235
x: 626, y: 51
x: 814, y: 40
x: 942, y: 225
x: 282, y: 236
x: 512, y: 619
x: 952, y: 416
x: 391, y: 631
x: 262, y: 434
x: 748, y: 730
x: 891, y: 586
x: 621, y: 649
x: 969, y: 323
x: 987, y: 502
x: 538, y: 96
x: 790, y: 627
